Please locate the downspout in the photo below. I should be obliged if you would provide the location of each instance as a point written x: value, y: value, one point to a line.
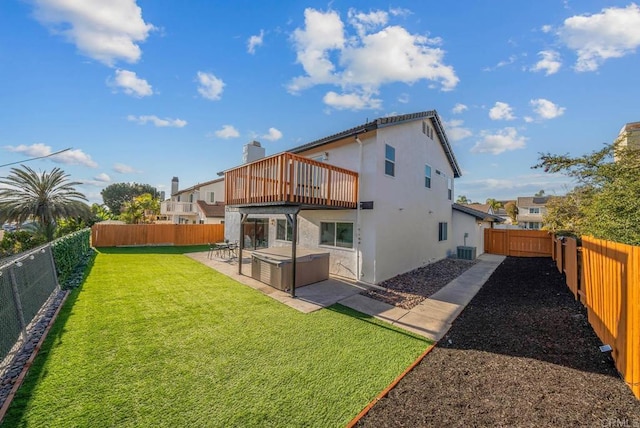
x: 358, y: 274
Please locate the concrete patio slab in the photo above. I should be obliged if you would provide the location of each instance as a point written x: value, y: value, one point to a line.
x: 431, y: 328
x: 375, y: 308
x: 432, y: 318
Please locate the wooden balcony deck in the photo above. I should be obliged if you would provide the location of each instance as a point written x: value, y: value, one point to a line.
x: 289, y: 179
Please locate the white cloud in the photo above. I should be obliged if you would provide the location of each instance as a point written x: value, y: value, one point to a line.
x: 501, y: 111
x: 546, y: 28
x: 106, y: 31
x: 330, y: 55
x: 255, y: 41
x: 550, y: 62
x: 68, y: 157
x: 227, y: 131
x: 528, y: 119
x: 403, y: 98
x: 455, y: 130
x: 131, y: 84
x: 399, y: 11
x: 545, y: 109
x: 210, y: 86
x: 124, y: 169
x: 161, y: 123
x: 367, y: 22
x: 273, y: 135
x: 102, y: 177
x: 506, y: 139
x: 459, y: 108
x: 351, y: 101
x: 502, y: 63
x: 612, y: 33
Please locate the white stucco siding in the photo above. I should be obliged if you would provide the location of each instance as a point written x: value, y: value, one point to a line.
x: 465, y: 223
x: 407, y: 214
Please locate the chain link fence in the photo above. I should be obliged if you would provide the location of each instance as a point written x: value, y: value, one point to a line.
x: 26, y: 283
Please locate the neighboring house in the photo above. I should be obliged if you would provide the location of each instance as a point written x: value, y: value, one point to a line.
x: 531, y: 210
x: 378, y: 197
x: 629, y: 136
x: 199, y: 204
x: 469, y: 224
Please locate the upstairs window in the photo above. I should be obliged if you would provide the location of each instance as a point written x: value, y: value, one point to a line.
x: 427, y: 176
x: 534, y: 210
x: 210, y: 198
x: 389, y: 160
x: 427, y: 130
x: 449, y: 188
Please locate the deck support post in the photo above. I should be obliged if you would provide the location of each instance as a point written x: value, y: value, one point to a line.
x: 293, y: 221
x: 243, y: 218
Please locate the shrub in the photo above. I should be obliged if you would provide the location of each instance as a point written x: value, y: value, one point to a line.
x: 69, y: 252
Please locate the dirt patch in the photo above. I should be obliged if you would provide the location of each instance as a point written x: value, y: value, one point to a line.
x: 521, y: 354
x: 409, y: 289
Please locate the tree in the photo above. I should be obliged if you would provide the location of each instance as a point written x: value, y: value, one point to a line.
x: 512, y: 211
x: 463, y: 200
x: 45, y: 198
x: 116, y: 195
x: 142, y: 209
x: 605, y: 202
x: 100, y: 213
x: 494, y: 204
x: 540, y: 193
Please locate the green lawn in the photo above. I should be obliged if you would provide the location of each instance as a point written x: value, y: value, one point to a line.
x: 154, y: 338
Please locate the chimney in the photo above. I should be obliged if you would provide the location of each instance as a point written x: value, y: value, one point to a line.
x: 252, y: 152
x: 174, y: 185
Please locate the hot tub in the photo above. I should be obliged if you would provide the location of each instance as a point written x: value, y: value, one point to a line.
x: 273, y: 266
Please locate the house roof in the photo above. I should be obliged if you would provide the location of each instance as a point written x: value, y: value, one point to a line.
x: 197, y: 186
x: 391, y: 121
x: 212, y: 210
x: 477, y: 213
x: 532, y: 201
x: 479, y: 207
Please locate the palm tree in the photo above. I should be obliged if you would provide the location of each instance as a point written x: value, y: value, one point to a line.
x: 44, y: 197
x: 494, y: 204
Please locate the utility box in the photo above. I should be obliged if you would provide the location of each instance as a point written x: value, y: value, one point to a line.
x: 466, y: 253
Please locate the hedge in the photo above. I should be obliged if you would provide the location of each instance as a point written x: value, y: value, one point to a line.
x: 69, y: 252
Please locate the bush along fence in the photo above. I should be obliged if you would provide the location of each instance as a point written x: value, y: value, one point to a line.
x: 605, y: 277
x: 29, y: 281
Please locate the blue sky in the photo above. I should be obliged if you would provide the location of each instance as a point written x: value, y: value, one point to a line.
x: 146, y: 90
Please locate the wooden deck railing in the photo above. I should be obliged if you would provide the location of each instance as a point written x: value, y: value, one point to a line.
x: 291, y: 179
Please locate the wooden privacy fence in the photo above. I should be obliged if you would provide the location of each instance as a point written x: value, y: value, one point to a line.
x: 609, y: 287
x: 114, y: 235
x: 518, y: 243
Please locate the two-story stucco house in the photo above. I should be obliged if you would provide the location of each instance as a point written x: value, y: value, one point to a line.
x: 531, y: 210
x: 378, y: 197
x: 199, y: 204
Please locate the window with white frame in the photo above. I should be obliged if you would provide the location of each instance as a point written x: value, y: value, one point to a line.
x: 210, y: 197
x: 427, y: 176
x: 449, y: 188
x: 336, y: 234
x: 389, y: 160
x: 535, y: 210
x: 284, y: 231
x: 442, y: 231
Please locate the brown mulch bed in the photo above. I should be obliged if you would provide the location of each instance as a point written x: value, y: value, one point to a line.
x: 521, y: 354
x: 409, y: 289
